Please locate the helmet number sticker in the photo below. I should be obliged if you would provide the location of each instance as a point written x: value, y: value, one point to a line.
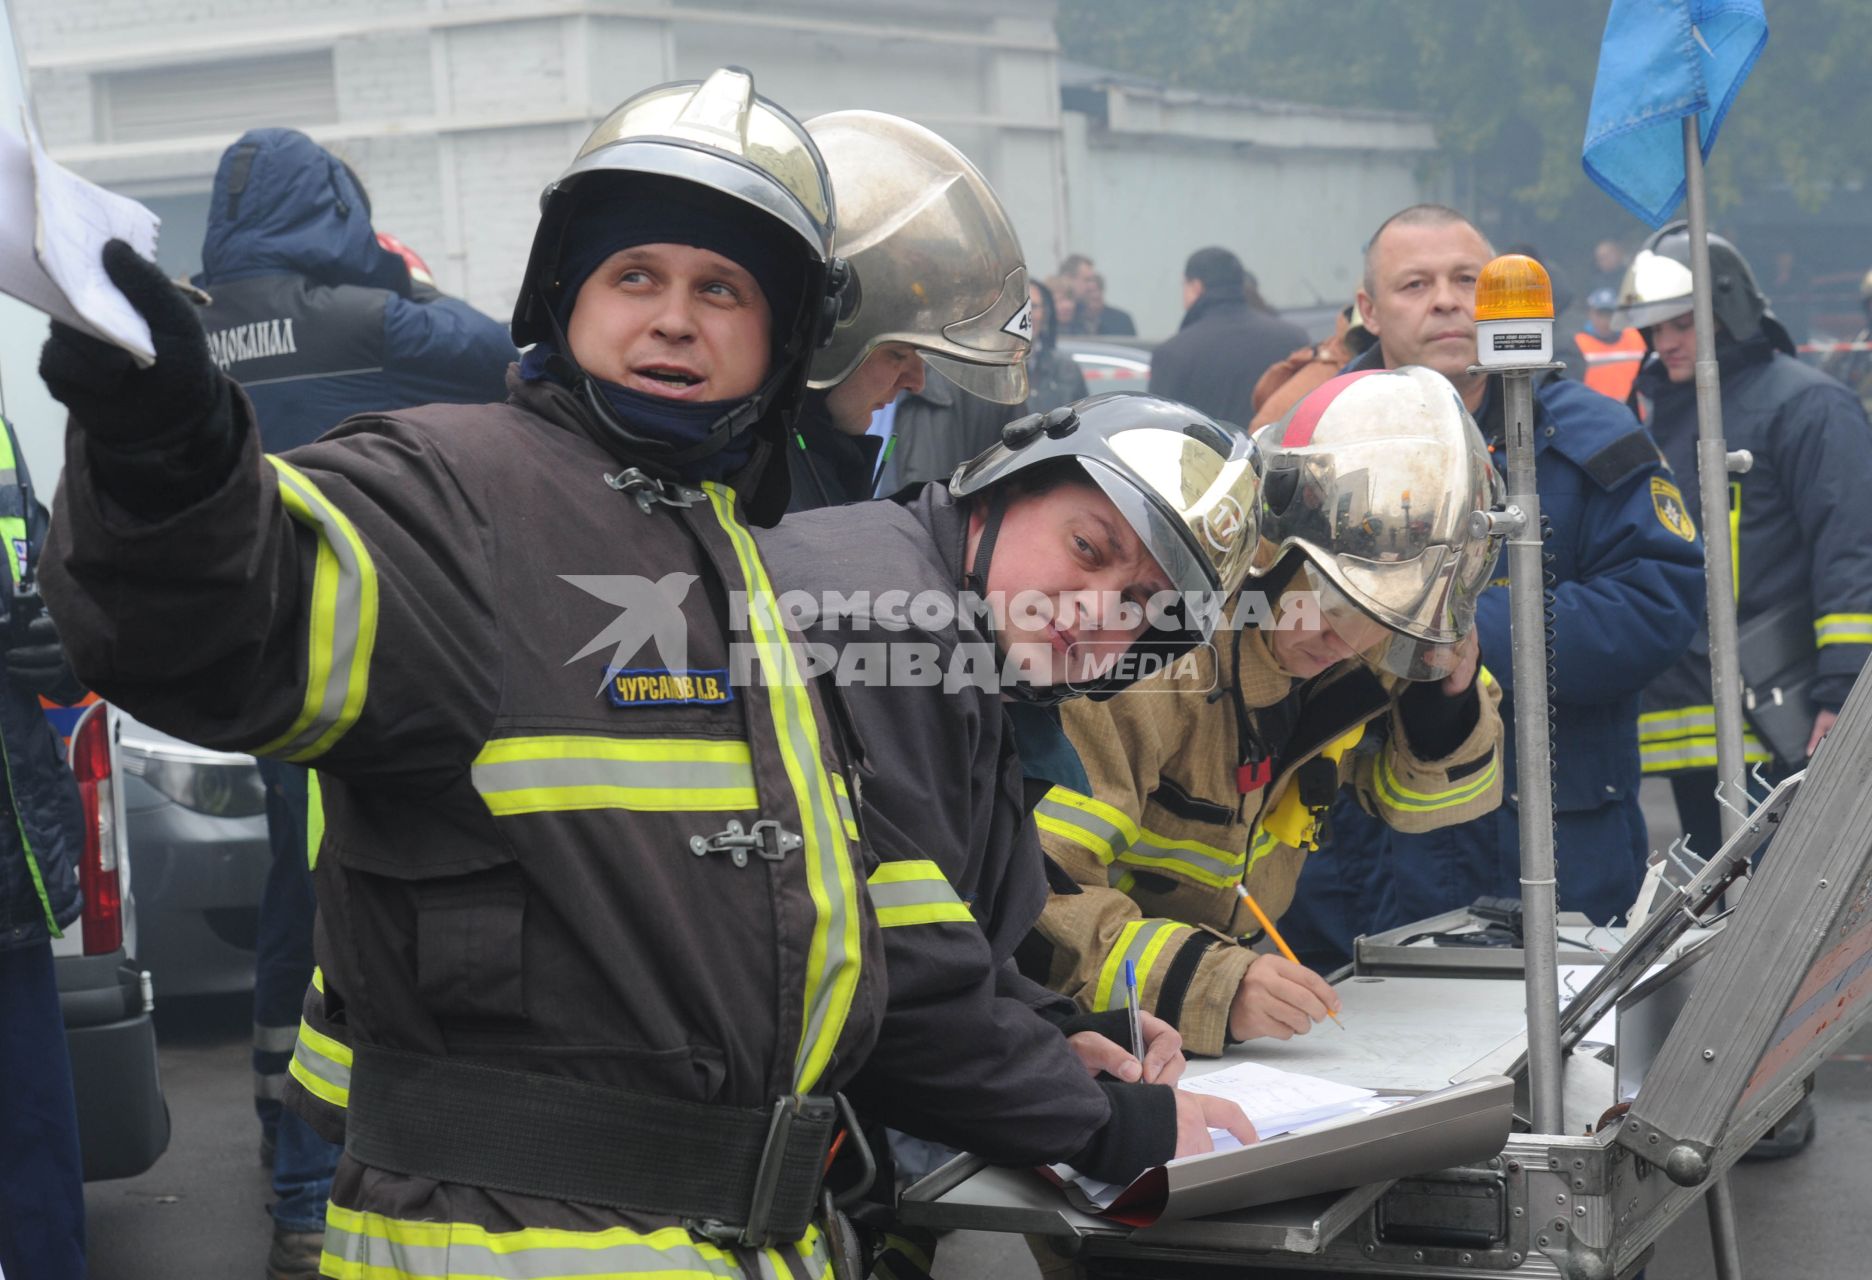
x: 1222, y: 524
x: 1020, y: 324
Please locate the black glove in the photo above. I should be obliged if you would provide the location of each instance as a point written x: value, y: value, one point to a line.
x: 35, y: 661
x: 159, y: 438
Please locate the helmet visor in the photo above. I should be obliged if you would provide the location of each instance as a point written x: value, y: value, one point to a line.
x: 999, y: 383
x: 1377, y: 645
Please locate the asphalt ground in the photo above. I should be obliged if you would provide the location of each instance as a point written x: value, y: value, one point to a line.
x: 201, y: 1212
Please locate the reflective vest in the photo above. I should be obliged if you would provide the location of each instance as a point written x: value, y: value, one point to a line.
x: 1611, y: 367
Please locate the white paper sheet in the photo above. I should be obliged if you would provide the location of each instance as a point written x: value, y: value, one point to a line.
x: 53, y: 227
x: 1275, y: 1101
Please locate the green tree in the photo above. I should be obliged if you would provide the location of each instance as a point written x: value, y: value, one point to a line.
x: 1507, y: 84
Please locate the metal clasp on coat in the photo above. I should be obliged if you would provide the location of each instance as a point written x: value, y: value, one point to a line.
x: 767, y: 838
x: 650, y: 491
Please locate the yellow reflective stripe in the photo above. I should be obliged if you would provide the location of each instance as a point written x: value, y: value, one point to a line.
x: 315, y: 817
x: 915, y: 892
x: 1396, y: 795
x: 1192, y: 859
x: 849, y: 818
x: 1695, y: 753
x: 1261, y: 847
x: 1141, y: 942
x: 1675, y: 722
x: 342, y: 615
x: 318, y: 979
x: 833, y: 960
x: 1487, y: 677
x: 322, y: 1065
x: 559, y: 772
x: 1092, y: 824
x: 1735, y: 539
x: 1843, y: 628
x: 370, y: 1246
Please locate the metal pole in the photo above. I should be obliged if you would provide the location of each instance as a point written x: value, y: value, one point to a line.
x: 1713, y: 482
x: 1722, y: 1223
x: 1533, y: 755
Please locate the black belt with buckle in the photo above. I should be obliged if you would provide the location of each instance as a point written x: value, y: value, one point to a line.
x: 737, y: 1175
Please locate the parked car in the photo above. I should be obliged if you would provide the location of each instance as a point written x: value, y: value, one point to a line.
x: 1110, y: 364
x: 197, y: 832
x: 106, y: 997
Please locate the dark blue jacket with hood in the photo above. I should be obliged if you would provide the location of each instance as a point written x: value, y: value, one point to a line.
x: 314, y: 318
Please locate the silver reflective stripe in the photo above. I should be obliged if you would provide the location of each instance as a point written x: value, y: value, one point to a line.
x: 1214, y: 864
x: 648, y: 775
x: 1071, y: 815
x: 330, y: 1070
x: 1110, y: 991
x: 275, y: 1039
x: 913, y: 893
x: 271, y: 1085
x: 368, y: 1245
x: 9, y: 478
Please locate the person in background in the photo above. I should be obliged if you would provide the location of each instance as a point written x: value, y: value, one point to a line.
x: 1609, y: 353
x: 1228, y: 339
x: 1065, y: 302
x: 42, y: 1219
x: 318, y: 319
x: 1799, y: 524
x: 943, y: 288
x: 1854, y: 368
x: 1627, y: 587
x: 1609, y: 260
x: 1095, y: 316
x: 1287, y: 382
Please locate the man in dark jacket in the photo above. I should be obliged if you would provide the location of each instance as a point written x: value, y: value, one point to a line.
x: 317, y: 321
x: 1800, y: 526
x: 1228, y: 338
x: 41, y: 1174
x: 1627, y: 585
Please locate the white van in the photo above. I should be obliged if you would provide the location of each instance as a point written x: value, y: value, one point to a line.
x: 123, y: 1122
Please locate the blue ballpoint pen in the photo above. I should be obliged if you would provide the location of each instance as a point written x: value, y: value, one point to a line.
x: 1131, y: 1007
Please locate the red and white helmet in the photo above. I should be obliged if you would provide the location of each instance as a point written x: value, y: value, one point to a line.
x: 1372, y: 479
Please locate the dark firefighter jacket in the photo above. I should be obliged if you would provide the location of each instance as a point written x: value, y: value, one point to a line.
x: 1800, y: 527
x: 520, y: 865
x: 41, y: 821
x: 830, y: 468
x: 314, y: 318
x: 1626, y: 568
x: 944, y: 806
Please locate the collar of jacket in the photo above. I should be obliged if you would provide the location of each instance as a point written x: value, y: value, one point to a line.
x: 1218, y: 304
x: 1732, y: 358
x: 546, y: 399
x: 822, y: 437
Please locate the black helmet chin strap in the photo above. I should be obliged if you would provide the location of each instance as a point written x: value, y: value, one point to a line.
x: 657, y: 454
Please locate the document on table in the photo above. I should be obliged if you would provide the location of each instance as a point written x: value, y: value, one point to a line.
x: 53, y: 227
x: 1275, y: 1101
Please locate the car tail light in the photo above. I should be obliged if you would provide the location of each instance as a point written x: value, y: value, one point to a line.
x: 98, y: 873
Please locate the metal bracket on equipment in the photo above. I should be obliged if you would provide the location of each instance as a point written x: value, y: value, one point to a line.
x: 649, y: 491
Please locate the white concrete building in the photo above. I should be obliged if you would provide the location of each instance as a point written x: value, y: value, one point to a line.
x: 457, y: 112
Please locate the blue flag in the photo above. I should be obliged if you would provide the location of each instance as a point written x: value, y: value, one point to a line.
x: 1662, y: 60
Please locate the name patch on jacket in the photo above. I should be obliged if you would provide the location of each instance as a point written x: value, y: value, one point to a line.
x: 659, y: 687
x: 1671, y: 512
x: 253, y: 341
